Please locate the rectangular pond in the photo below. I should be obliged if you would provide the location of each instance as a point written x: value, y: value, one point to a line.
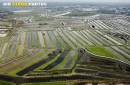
x: 35, y: 38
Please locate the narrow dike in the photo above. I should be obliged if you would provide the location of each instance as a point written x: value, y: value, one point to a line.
x: 98, y: 73
x: 29, y: 39
x: 58, y: 61
x: 70, y: 59
x: 34, y: 66
x: 79, y: 57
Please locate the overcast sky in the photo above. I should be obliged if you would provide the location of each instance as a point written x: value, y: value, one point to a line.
x: 73, y: 0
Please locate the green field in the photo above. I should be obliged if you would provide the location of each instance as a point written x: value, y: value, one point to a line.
x: 101, y: 51
x: 6, y: 83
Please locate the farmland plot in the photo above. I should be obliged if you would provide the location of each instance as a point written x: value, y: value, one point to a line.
x: 122, y: 52
x: 69, y: 28
x: 101, y: 23
x: 29, y: 39
x: 23, y: 36
x: 56, y: 34
x: 47, y: 39
x: 91, y: 37
x: 13, y: 49
x: 72, y: 39
x: 64, y: 44
x: 34, y: 66
x: 78, y: 32
x: 35, y: 39
x: 7, y: 50
x: 18, y: 38
x: 22, y: 59
x: 87, y: 38
x: 39, y: 29
x: 85, y: 56
x: 58, y: 61
x: 97, y: 72
x: 125, y: 49
x: 70, y: 59
x: 60, y: 39
x: 91, y: 23
x: 3, y: 49
x: 98, y: 38
x: 107, y: 41
x: 118, y: 43
x: 96, y: 25
x: 28, y: 62
x: 101, y: 35
x: 54, y: 39
x: 14, y: 38
x: 67, y: 40
x: 117, y: 54
x: 99, y: 32
x: 41, y: 39
x: 22, y: 40
x: 80, y: 50
x: 59, y: 29
x: 77, y: 38
x: 87, y: 41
